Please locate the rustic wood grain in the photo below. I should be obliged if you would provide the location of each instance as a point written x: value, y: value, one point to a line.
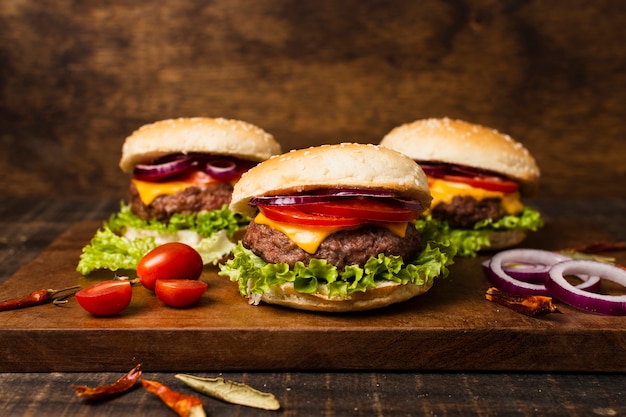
x: 28, y: 225
x: 76, y: 78
x: 450, y: 328
x: 328, y: 394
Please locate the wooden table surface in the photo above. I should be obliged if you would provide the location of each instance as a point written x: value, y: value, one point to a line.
x: 78, y: 77
x: 27, y: 226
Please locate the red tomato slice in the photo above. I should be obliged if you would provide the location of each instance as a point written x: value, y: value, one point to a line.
x: 202, y: 178
x: 486, y: 183
x: 173, y: 260
x: 106, y: 298
x: 197, y: 177
x: 290, y: 214
x: 179, y: 292
x: 361, y: 208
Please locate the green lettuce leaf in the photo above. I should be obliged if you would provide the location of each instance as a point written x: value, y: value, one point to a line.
x: 255, y: 276
x: 125, y: 238
x: 204, y: 223
x: 108, y: 250
x: 468, y: 242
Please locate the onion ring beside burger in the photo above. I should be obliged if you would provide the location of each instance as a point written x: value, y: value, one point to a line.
x: 334, y: 230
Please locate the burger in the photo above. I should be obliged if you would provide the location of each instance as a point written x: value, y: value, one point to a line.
x: 334, y: 229
x: 477, y: 177
x: 183, y: 173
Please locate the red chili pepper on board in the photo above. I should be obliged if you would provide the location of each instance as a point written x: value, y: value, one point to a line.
x: 104, y: 391
x: 183, y: 405
x: 530, y: 305
x: 35, y: 298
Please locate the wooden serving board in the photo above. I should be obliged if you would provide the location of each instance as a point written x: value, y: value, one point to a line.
x: 452, y: 327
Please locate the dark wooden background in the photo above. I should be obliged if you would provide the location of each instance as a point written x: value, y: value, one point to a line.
x: 77, y: 77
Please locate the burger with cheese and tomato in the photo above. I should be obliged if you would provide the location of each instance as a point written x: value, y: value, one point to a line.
x: 334, y: 229
x: 183, y: 173
x: 477, y: 177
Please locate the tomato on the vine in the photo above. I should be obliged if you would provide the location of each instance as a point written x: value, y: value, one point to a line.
x: 179, y: 292
x: 173, y: 260
x: 106, y: 298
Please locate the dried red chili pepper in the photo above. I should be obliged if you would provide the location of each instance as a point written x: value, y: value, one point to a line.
x: 105, y: 391
x: 35, y: 298
x: 599, y: 247
x: 530, y: 305
x: 184, y: 405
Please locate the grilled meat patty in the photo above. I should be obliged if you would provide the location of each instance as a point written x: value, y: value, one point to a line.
x: 343, y: 248
x: 464, y: 212
x: 190, y: 200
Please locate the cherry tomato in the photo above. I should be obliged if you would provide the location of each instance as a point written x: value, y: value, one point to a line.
x: 173, y: 260
x: 486, y: 183
x: 106, y: 298
x: 362, y: 209
x: 179, y: 292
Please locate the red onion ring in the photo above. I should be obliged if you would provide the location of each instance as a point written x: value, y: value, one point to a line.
x: 498, y: 275
x: 155, y: 172
x: 561, y: 289
x: 527, y: 272
x: 221, y: 169
x: 329, y: 197
x: 438, y: 170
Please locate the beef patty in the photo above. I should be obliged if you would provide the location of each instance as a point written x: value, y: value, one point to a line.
x: 343, y: 248
x: 464, y: 212
x: 190, y: 200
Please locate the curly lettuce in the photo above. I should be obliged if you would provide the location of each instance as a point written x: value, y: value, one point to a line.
x: 125, y: 238
x: 468, y: 242
x: 255, y: 276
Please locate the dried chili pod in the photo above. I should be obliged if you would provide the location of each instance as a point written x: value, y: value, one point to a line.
x: 184, y: 405
x: 35, y: 298
x: 105, y: 391
x: 598, y: 247
x: 530, y: 305
x: 232, y: 392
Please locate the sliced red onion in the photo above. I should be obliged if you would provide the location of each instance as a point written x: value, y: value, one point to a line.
x: 155, y: 172
x: 498, y: 271
x: 434, y: 170
x: 221, y: 169
x: 524, y: 271
x: 528, y: 272
x: 561, y: 289
x: 329, y: 197
x: 438, y: 170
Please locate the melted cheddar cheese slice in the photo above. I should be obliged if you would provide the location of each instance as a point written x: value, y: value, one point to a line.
x: 309, y: 238
x: 148, y: 191
x: 443, y: 192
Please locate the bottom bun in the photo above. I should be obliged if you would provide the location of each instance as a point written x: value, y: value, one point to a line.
x: 505, y: 239
x: 383, y: 295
